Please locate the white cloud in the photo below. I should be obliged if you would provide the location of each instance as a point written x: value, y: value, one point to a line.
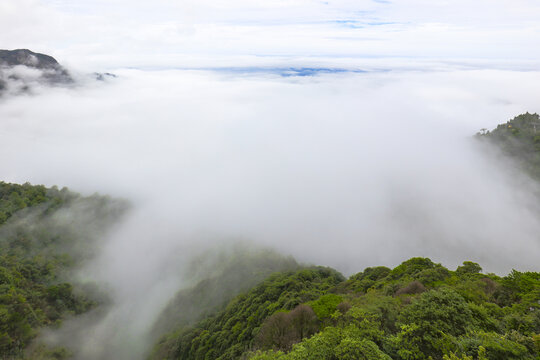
x: 142, y: 33
x: 252, y: 152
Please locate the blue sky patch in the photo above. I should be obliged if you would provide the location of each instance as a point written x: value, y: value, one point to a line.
x: 285, y: 71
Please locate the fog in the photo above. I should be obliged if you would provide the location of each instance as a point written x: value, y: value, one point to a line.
x: 347, y: 170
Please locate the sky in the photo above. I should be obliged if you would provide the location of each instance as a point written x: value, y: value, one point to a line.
x: 109, y: 34
x: 339, y: 132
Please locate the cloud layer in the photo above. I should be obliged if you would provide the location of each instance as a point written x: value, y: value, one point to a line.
x: 325, y: 160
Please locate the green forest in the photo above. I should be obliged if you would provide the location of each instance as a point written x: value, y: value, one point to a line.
x: 45, y: 233
x: 260, y: 305
x: 418, y: 310
x: 519, y: 140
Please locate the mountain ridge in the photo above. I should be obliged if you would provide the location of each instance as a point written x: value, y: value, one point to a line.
x: 22, y: 69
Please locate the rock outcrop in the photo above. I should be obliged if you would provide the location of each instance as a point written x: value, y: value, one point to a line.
x: 21, y: 69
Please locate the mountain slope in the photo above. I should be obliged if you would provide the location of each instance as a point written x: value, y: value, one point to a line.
x: 22, y: 69
x: 415, y: 311
x: 518, y: 139
x: 231, y: 332
x: 44, y: 235
x: 236, y: 271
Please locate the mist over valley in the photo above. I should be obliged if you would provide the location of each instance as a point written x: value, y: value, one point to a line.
x: 280, y: 181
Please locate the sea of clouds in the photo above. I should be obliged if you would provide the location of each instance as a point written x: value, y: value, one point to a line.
x: 342, y: 169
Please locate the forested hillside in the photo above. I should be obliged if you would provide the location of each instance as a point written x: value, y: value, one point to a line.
x: 518, y: 138
x: 415, y: 311
x: 234, y: 271
x: 44, y: 234
x: 229, y: 333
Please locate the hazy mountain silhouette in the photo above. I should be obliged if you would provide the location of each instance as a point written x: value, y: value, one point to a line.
x: 22, y: 67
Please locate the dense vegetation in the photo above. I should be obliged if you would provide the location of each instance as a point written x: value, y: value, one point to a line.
x: 234, y: 270
x: 227, y: 334
x: 43, y: 234
x: 417, y: 310
x: 519, y: 139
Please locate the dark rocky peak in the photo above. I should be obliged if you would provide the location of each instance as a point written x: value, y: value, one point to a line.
x: 21, y: 70
x: 28, y: 58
